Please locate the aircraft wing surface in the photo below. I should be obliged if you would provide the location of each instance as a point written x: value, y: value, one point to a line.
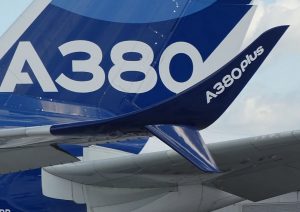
x: 129, y: 171
x: 259, y: 168
x: 254, y: 168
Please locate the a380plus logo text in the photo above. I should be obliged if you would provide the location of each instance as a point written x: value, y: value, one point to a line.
x: 236, y: 74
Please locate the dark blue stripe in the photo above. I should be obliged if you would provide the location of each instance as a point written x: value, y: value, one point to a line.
x: 133, y: 146
x: 133, y: 11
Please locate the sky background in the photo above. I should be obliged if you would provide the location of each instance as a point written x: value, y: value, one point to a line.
x: 271, y: 101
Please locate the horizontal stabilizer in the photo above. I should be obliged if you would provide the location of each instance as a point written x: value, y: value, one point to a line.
x: 188, y: 142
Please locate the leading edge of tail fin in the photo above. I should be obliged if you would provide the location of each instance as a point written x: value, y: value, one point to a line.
x: 188, y: 142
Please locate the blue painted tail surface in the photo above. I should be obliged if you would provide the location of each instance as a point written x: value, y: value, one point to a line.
x: 199, y: 106
x: 98, y: 59
x: 130, y: 66
x: 188, y: 142
x: 177, y: 121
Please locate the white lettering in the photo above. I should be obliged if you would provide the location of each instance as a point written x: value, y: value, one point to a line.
x: 25, y: 53
x: 90, y: 66
x: 236, y: 74
x: 143, y: 65
x: 210, y: 96
x: 14, y: 75
x: 165, y: 61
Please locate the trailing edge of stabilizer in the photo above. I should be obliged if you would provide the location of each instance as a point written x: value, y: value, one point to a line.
x: 188, y: 142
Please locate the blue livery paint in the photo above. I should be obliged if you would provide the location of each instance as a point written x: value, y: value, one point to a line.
x: 63, y: 26
x: 145, y: 11
x: 188, y: 142
x: 74, y: 150
x: 22, y: 192
x: 133, y: 146
x: 185, y: 109
x: 202, y: 25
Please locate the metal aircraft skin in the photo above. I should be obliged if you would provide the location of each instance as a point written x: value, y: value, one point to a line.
x: 75, y: 74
